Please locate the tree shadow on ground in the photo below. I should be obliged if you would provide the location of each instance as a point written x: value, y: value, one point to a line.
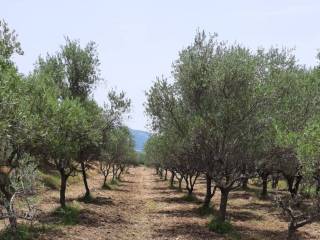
x: 120, y: 190
x: 201, y: 181
x: 244, y: 216
x: 184, y: 231
x: 35, y: 231
x: 193, y: 213
x: 161, y: 188
x: 269, y: 207
x: 85, y: 217
x: 94, y: 219
x: 99, y: 200
x: 240, y: 195
x: 158, y: 180
x: 179, y: 199
x: 200, y: 194
x: 264, y: 234
x: 163, y: 192
x: 120, y: 184
x: 126, y: 181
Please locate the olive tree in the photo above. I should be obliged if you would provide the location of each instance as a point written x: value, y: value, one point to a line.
x: 113, y: 113
x: 119, y: 152
x: 15, y: 122
x: 301, y: 136
x: 75, y: 70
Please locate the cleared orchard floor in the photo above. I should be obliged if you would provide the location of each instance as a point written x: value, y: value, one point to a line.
x: 144, y: 207
x: 140, y: 207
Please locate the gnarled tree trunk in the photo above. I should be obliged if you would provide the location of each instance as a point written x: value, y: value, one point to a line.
x: 172, y: 179
x: 223, y: 203
x: 85, y: 182
x: 63, y: 187
x: 209, y: 192
x: 264, y: 176
x: 12, y: 217
x: 190, y: 182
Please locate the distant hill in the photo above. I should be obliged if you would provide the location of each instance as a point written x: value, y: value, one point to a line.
x: 139, y: 137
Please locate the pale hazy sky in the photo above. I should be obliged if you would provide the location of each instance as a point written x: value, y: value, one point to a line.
x: 138, y: 40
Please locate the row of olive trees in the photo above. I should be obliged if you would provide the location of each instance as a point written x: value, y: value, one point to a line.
x: 232, y: 114
x: 118, y: 155
x: 50, y: 118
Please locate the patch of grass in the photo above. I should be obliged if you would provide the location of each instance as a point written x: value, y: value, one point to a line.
x: 74, y: 179
x: 179, y: 189
x: 234, y: 235
x: 87, y: 199
x: 173, y: 187
x: 106, y: 186
x: 114, y: 182
x: 151, y: 205
x: 205, y: 211
x: 51, y: 181
x: 308, y: 192
x: 190, y: 198
x: 218, y: 226
x: 25, y: 232
x: 282, y: 185
x: 69, y: 215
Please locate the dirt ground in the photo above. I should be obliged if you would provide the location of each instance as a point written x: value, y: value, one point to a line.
x: 144, y: 207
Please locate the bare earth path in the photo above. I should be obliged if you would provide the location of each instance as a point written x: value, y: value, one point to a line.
x: 140, y: 207
x: 151, y: 210
x: 154, y: 211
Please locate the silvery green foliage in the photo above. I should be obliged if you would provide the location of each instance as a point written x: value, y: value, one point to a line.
x: 24, y: 178
x: 22, y: 186
x: 9, y: 44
